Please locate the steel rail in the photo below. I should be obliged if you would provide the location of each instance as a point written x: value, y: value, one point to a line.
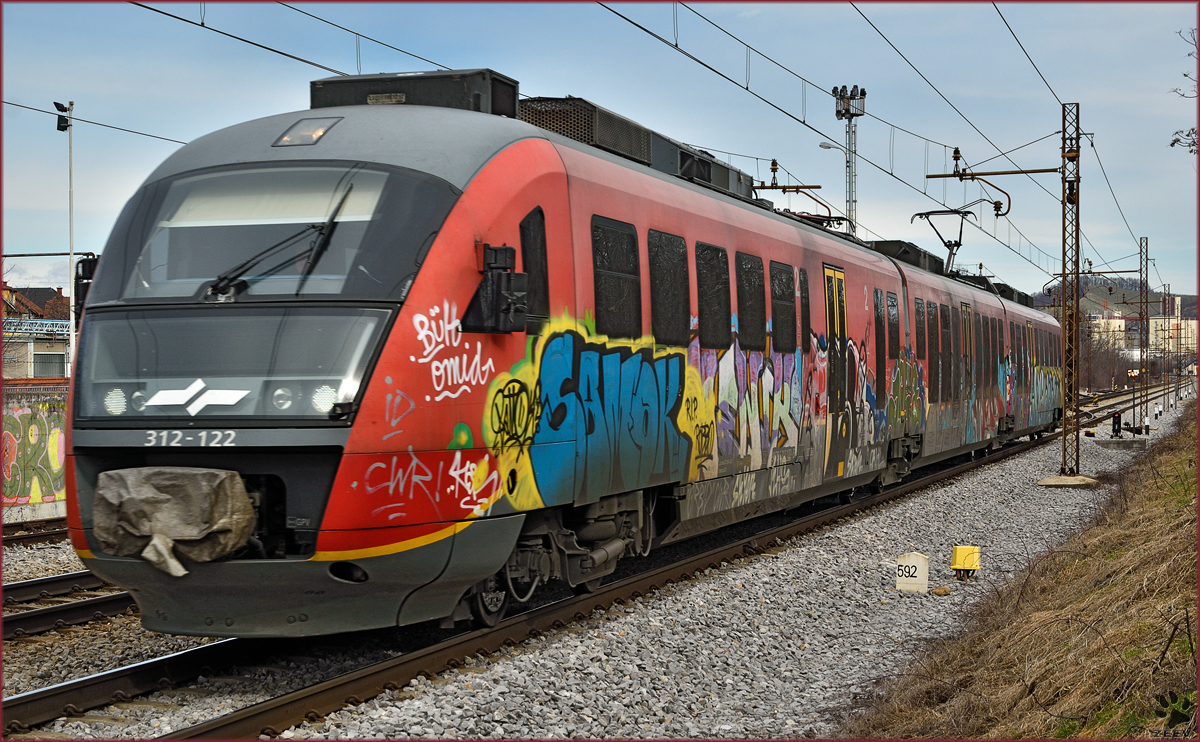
x: 26, y: 591
x: 38, y: 620
x: 35, y: 531
x: 73, y: 697
x: 48, y: 536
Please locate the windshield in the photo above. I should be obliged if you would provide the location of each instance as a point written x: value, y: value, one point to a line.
x: 261, y: 228
x: 225, y: 362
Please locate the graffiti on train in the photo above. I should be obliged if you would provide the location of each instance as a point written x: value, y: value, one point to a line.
x: 34, y: 453
x: 581, y: 417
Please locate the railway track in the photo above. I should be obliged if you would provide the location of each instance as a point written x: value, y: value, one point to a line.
x: 60, y: 600
x: 50, y: 530
x: 269, y: 717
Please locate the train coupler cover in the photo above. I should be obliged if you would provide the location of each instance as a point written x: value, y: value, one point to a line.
x: 152, y: 512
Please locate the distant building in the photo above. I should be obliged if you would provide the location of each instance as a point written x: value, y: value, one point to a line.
x: 1166, y: 333
x: 33, y: 347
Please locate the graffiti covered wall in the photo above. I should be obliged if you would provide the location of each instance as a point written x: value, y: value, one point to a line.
x: 34, y: 445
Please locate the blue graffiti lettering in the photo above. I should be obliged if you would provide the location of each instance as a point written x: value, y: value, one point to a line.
x: 619, y: 406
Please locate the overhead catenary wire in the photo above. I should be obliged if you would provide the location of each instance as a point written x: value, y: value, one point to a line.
x: 359, y: 35
x: 1093, y: 144
x: 243, y: 40
x: 77, y: 120
x: 976, y: 128
x: 794, y: 74
x: 1035, y: 67
x: 800, y: 121
x: 363, y: 35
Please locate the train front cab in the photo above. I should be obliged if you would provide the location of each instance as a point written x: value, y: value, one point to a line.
x: 318, y: 389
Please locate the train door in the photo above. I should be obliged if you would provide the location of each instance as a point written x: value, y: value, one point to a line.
x: 838, y: 422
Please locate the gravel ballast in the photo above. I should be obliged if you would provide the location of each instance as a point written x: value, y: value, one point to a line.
x: 771, y: 646
x: 39, y: 560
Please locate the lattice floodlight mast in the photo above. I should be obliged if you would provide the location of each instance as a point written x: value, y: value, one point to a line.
x: 1143, y: 330
x: 1070, y: 288
x: 850, y: 105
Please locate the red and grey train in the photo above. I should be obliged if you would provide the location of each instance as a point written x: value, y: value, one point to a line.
x: 442, y: 351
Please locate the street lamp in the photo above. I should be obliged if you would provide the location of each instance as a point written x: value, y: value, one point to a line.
x: 66, y: 123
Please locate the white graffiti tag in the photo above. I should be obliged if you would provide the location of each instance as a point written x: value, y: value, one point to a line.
x: 461, y: 370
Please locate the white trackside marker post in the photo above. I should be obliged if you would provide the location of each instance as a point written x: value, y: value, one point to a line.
x: 912, y: 573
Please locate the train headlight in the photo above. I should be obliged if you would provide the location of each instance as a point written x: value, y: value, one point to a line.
x: 323, y: 398
x: 282, y: 398
x: 115, y: 402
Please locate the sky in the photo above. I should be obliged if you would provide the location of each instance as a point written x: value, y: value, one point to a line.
x: 972, y: 87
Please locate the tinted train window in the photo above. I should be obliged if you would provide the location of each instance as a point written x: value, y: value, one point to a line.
x: 985, y: 359
x: 805, y: 317
x: 668, y: 288
x: 880, y: 348
x: 533, y: 261
x: 956, y: 362
x: 933, y: 377
x: 979, y: 380
x: 752, y: 307
x: 947, y: 354
x: 997, y: 349
x: 783, y: 308
x: 1011, y: 355
x: 712, y: 281
x: 919, y: 326
x: 617, y: 278
x: 893, y: 319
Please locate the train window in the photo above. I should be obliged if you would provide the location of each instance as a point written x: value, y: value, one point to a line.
x: 933, y: 375
x: 985, y: 359
x: 947, y: 354
x: 805, y: 317
x: 919, y: 325
x: 893, y: 320
x: 997, y: 349
x: 880, y: 348
x: 956, y: 360
x: 997, y: 341
x: 783, y: 308
x: 533, y: 260
x: 617, y: 278
x: 752, y: 307
x: 978, y: 364
x: 1011, y: 355
x: 712, y: 281
x: 669, y: 282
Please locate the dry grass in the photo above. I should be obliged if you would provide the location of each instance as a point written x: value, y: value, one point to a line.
x: 1086, y: 640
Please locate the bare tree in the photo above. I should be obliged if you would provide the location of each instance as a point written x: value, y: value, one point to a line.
x: 1187, y: 137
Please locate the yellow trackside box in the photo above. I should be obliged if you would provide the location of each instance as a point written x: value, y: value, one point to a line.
x: 965, y: 557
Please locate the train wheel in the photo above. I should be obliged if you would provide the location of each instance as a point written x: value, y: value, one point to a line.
x: 489, y: 603
x: 585, y: 588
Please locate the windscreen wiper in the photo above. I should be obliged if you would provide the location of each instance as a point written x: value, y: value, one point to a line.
x: 314, y: 256
x: 229, y: 278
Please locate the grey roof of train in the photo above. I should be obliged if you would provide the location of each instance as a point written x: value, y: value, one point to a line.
x: 445, y: 142
x: 450, y: 144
